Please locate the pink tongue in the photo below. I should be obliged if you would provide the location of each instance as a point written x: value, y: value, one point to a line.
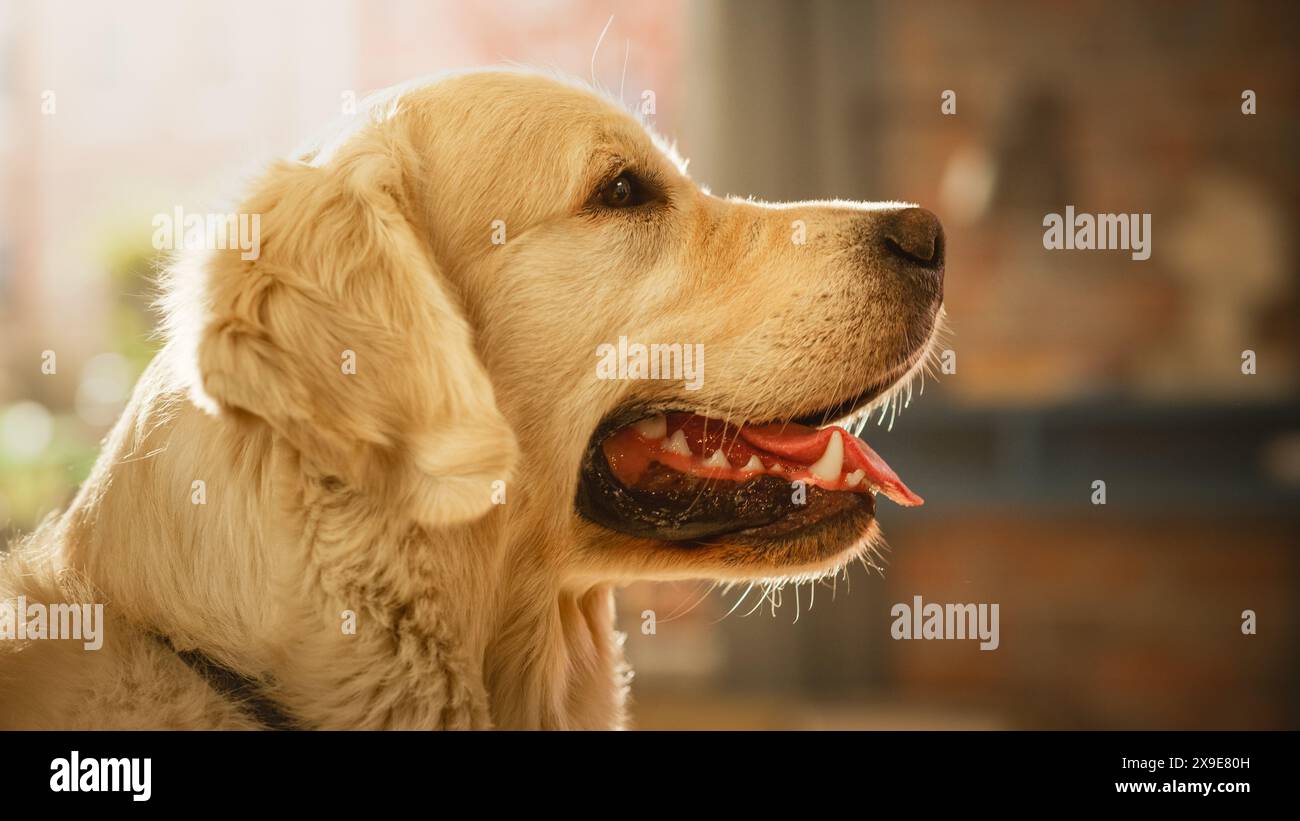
x: 804, y: 445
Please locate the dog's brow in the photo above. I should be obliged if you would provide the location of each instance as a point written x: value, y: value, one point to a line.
x: 605, y: 164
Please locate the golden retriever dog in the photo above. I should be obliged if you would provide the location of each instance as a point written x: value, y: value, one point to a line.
x: 388, y: 473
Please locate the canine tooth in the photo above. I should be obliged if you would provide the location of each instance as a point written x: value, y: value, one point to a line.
x: 717, y: 460
x: 653, y: 427
x: 853, y: 478
x: 776, y: 468
x: 677, y: 444
x: 753, y: 464
x: 827, y: 468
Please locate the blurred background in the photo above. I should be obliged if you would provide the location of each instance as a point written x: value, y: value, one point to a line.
x: 1071, y: 367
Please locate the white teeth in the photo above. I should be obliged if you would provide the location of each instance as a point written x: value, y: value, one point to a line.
x: 853, y: 478
x: 717, y: 460
x: 827, y: 468
x: 753, y: 465
x: 776, y: 468
x: 677, y: 444
x: 653, y: 427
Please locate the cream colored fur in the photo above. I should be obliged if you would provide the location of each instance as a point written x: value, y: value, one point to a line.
x: 371, y: 492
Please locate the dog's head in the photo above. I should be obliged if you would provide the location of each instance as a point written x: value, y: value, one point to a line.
x: 499, y: 288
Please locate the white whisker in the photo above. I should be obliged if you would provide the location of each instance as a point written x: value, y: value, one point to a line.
x: 627, y: 50
x: 596, y: 50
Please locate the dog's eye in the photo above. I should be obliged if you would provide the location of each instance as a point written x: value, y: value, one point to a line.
x: 624, y: 191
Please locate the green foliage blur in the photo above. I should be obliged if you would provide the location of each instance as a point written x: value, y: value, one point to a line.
x: 34, y: 486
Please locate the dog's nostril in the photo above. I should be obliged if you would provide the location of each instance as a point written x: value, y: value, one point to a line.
x: 916, y: 235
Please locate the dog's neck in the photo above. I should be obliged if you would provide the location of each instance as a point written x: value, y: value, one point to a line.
x: 468, y: 625
x: 360, y: 619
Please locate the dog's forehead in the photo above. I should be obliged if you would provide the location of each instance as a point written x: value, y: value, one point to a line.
x: 572, y: 117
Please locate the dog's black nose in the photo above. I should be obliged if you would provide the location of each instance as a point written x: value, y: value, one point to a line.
x: 916, y: 235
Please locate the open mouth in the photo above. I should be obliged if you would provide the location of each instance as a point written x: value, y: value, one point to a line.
x: 684, y: 477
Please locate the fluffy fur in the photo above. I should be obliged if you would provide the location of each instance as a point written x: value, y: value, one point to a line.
x: 371, y: 492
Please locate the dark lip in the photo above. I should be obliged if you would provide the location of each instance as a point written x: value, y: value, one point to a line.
x: 859, y: 505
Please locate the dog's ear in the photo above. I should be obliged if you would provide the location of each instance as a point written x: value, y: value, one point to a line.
x: 343, y: 337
